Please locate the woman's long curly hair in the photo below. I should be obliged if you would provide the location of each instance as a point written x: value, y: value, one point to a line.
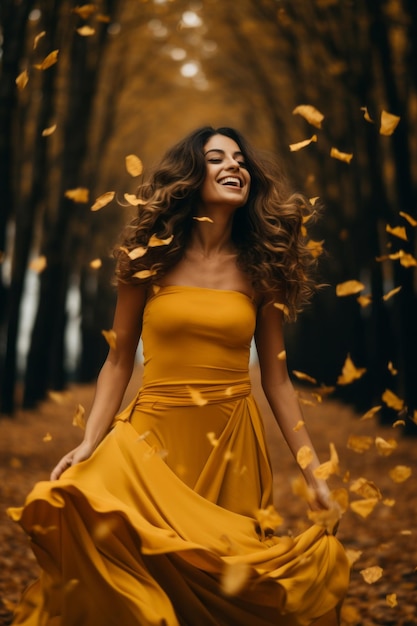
x: 268, y: 231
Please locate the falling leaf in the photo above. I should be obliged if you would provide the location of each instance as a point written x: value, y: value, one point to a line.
x: 400, y: 473
x: 48, y: 61
x: 42, y: 530
x: 79, y: 417
x: 48, y: 437
x: 353, y: 555
x: 341, y: 498
x: 407, y: 260
x: 302, y: 490
x: 309, y: 113
x: 203, y: 219
x: 392, y: 369
x: 364, y: 300
x: 196, y: 396
x: 391, y: 293
x: 397, y: 231
x: 105, y: 19
x: 22, y: 80
x: 80, y: 194
x: 304, y: 456
x: 269, y: 518
x: 315, y: 247
x: 282, y: 307
x: 234, y: 578
x: 406, y: 533
x: 111, y: 337
x: 341, y: 156
x: 133, y: 200
x: 349, y: 287
x: 365, y: 488
x: 388, y: 502
x: 389, y: 123
x: 371, y: 412
x: 86, y: 31
x: 134, y: 165
x: 85, y: 10
x: 391, y: 599
x: 38, y: 38
x: 39, y: 264
x: 364, y: 507
x: 103, y: 200
x: 371, y: 574
x: 328, y: 518
x: 384, y: 447
x: 350, y: 372
x: 392, y: 400
x: 154, y: 241
x: 398, y: 423
x: 281, y: 356
x: 326, y: 469
x: 409, y: 219
x: 137, y: 253
x: 302, y: 376
x: 95, y: 264
x: 359, y: 443
x: 142, y: 274
x: 298, y: 426
x: 366, y: 115
x: 49, y: 131
x: 294, y: 147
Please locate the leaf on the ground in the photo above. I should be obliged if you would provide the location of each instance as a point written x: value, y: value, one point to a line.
x: 349, y: 287
x: 371, y: 412
x: 22, y: 80
x: 371, y: 574
x: 391, y: 599
x: 79, y: 417
x: 103, y: 200
x: 111, y: 338
x: 48, y: 61
x: 294, y: 147
x: 134, y: 165
x: 359, y: 443
x: 350, y: 372
x: 400, y: 473
x: 397, y: 231
x: 389, y: 123
x: 304, y: 456
x: 392, y: 400
x: 341, y: 156
x: 79, y: 194
x: 309, y: 113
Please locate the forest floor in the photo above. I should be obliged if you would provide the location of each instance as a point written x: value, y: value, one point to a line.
x: 33, y: 441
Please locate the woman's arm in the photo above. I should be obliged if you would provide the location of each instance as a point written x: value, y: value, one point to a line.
x: 114, y: 375
x: 282, y: 398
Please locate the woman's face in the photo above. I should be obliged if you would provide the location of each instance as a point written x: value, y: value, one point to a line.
x: 227, y: 181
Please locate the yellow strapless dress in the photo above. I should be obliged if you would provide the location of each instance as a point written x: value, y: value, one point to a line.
x: 155, y: 526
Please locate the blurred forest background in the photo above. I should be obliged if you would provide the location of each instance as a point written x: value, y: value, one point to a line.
x: 83, y: 86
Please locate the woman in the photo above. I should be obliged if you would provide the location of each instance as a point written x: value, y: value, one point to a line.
x: 163, y: 514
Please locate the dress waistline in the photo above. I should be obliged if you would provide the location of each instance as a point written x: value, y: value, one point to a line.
x: 196, y: 394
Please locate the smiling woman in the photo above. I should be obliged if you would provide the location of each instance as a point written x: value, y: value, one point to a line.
x: 163, y: 514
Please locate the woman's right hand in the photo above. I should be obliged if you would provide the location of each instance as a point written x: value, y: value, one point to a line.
x: 80, y: 453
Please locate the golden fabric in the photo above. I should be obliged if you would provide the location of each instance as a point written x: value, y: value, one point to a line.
x: 147, y: 531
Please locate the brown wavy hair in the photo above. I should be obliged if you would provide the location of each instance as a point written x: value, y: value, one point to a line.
x: 267, y: 231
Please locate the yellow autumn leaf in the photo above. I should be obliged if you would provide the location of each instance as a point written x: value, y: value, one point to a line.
x: 22, y: 80
x: 371, y: 574
x: 104, y: 19
x: 304, y: 456
x: 48, y: 61
x: 103, y: 200
x: 85, y: 10
x: 79, y: 417
x: 349, y: 287
x: 359, y: 443
x: 38, y: 38
x: 154, y: 241
x: 341, y: 156
x: 364, y: 507
x: 409, y: 218
x: 315, y: 247
x: 47, y: 437
x: 134, y: 165
x: 392, y: 400
x: 49, y: 131
x: 133, y: 200
x: 365, y: 488
x: 143, y: 274
x: 391, y: 599
x: 294, y: 147
x: 389, y: 123
x: 79, y: 194
x: 364, y: 300
x: 309, y: 113
x: 313, y: 200
x: 371, y: 412
x: 326, y: 469
x: 340, y: 497
x: 328, y: 518
x: 303, y: 376
x: 353, y: 555
x: 384, y: 447
x: 86, y: 31
x: 137, y: 253
x: 196, y: 396
x: 282, y: 307
x: 111, y: 338
x: 38, y: 264
x: 407, y: 260
x: 234, y: 578
x: 298, y: 426
x: 392, y: 369
x: 388, y: 502
x: 269, y: 518
x: 203, y: 219
x: 212, y: 439
x: 400, y: 473
x: 398, y: 423
x: 281, y: 356
x: 391, y: 293
x: 366, y: 115
x: 397, y: 231
x: 301, y: 489
x: 350, y: 372
x: 95, y: 264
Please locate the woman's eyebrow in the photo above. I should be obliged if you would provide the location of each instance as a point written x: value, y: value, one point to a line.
x: 238, y: 153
